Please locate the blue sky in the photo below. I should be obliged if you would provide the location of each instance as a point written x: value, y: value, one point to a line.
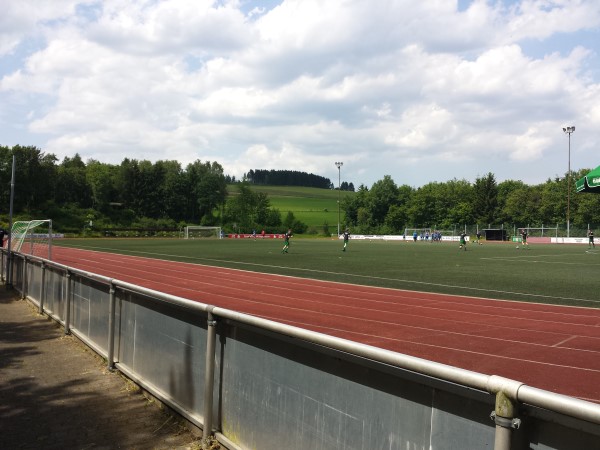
x: 421, y: 91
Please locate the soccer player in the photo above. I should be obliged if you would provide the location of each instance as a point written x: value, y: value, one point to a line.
x: 346, y: 237
x: 463, y: 241
x: 479, y: 237
x: 590, y: 234
x: 286, y: 241
x: 524, y: 238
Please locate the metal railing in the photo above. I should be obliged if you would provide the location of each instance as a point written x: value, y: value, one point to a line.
x: 256, y: 383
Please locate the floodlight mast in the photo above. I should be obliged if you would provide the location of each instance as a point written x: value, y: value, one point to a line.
x: 339, y: 166
x: 569, y: 130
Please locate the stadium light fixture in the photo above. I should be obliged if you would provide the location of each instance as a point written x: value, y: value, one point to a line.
x: 569, y: 130
x: 339, y: 167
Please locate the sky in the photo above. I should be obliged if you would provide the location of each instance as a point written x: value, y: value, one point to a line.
x: 422, y: 91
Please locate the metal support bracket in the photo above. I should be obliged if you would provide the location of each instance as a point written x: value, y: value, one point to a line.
x: 505, y: 422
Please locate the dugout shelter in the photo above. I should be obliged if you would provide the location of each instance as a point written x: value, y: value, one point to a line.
x: 495, y: 234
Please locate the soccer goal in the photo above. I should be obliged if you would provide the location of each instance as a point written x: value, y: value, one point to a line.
x: 421, y: 232
x: 200, y: 232
x: 32, y: 237
x: 539, y: 231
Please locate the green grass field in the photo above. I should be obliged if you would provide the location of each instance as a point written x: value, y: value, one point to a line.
x: 546, y: 273
x: 312, y: 206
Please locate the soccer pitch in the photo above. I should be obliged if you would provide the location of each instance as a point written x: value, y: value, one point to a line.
x: 544, y: 273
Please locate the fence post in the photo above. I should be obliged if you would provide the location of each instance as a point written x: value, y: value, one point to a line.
x: 43, y: 289
x: 68, y: 304
x: 209, y: 378
x: 507, y: 392
x: 111, y: 327
x: 24, y: 281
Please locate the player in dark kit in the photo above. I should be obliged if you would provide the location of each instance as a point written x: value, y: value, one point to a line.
x: 346, y: 235
x: 286, y: 241
x: 591, y: 239
x: 524, y: 238
x: 463, y: 241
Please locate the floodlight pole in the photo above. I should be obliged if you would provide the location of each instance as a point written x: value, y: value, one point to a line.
x: 339, y: 166
x: 569, y: 130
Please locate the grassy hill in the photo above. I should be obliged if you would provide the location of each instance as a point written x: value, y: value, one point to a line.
x: 313, y: 206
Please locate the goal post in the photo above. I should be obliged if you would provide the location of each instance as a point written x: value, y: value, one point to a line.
x: 32, y: 237
x: 408, y: 232
x: 202, y: 232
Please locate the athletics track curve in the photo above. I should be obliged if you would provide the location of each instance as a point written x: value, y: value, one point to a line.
x: 556, y: 348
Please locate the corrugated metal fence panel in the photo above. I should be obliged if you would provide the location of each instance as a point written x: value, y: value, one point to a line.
x: 90, y: 303
x: 34, y: 282
x: 163, y: 344
x: 54, y: 281
x: 301, y: 397
x: 56, y: 285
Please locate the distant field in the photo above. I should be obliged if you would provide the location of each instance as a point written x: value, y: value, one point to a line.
x: 312, y: 206
x: 557, y: 274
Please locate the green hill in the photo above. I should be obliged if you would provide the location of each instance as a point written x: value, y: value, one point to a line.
x: 313, y: 206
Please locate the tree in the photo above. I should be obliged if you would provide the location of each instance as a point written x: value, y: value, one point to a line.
x: 485, y: 199
x: 355, y: 207
x: 99, y: 178
x: 251, y: 210
x: 35, y: 177
x: 522, y: 205
x: 294, y: 224
x: 208, y: 188
x: 382, y: 196
x: 506, y: 189
x: 174, y: 191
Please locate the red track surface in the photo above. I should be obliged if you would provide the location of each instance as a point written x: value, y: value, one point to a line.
x: 556, y: 348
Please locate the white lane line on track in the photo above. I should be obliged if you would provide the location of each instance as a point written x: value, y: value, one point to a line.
x: 385, y: 338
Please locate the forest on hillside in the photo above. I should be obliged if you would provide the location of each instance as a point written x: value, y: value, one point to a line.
x: 292, y: 178
x: 90, y: 195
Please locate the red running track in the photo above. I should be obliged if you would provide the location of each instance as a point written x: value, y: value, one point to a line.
x: 556, y: 348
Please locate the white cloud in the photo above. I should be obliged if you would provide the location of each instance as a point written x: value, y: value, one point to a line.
x: 382, y: 86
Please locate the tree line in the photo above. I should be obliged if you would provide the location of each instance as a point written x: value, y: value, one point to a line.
x: 287, y: 178
x: 387, y: 208
x: 164, y: 194
x: 134, y: 193
x: 292, y: 178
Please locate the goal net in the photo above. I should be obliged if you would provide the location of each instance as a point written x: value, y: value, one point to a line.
x: 200, y: 232
x: 538, y: 231
x: 421, y: 233
x: 32, y: 237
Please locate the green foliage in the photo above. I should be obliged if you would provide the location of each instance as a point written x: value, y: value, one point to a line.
x: 250, y: 210
x: 119, y: 195
x: 389, y: 209
x: 294, y: 224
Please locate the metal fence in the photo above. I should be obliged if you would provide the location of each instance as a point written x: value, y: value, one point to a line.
x: 259, y: 384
